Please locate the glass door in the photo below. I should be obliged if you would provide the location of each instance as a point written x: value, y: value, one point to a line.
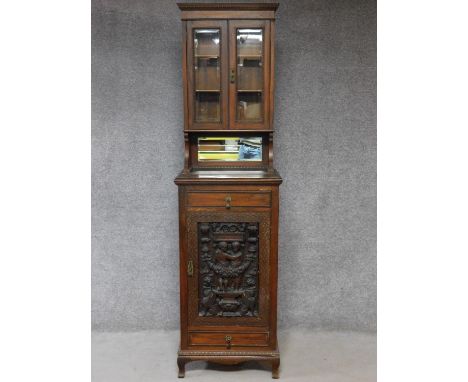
x: 249, y: 74
x: 207, y: 74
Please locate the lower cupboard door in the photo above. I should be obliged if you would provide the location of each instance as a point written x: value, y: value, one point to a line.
x: 228, y: 272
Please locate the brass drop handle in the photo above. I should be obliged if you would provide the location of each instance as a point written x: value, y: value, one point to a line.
x: 228, y: 341
x: 232, y: 76
x: 228, y: 200
x: 190, y: 268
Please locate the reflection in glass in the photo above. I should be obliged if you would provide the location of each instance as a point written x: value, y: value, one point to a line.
x: 230, y: 149
x: 249, y: 74
x: 207, y: 75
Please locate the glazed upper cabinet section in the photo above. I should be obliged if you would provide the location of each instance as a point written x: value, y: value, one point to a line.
x: 228, y: 74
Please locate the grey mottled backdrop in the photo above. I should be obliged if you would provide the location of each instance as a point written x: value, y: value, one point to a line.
x: 325, y: 150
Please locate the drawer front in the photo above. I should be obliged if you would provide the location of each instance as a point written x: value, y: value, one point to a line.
x: 229, y: 199
x: 228, y: 340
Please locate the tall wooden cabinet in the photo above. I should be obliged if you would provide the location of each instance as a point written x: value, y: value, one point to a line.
x: 228, y: 189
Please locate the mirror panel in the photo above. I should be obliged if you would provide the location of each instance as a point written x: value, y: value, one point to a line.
x: 230, y: 149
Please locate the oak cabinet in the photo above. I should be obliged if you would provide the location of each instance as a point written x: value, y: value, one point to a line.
x: 228, y: 189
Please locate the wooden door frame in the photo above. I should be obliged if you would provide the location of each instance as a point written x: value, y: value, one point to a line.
x: 222, y: 25
x: 233, y: 26
x: 262, y: 216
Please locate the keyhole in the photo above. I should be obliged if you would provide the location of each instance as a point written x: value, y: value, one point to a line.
x: 228, y: 341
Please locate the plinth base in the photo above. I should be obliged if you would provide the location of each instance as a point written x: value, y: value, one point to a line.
x: 228, y: 358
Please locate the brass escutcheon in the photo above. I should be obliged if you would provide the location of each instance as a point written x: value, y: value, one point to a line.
x: 228, y: 200
x: 228, y: 341
x: 232, y: 77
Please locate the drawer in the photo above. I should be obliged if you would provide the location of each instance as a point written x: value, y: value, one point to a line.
x: 228, y: 339
x: 229, y: 199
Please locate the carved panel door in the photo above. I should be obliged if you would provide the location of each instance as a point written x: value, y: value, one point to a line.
x: 230, y: 278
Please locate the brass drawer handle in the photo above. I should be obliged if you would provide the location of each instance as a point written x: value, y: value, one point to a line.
x: 228, y: 200
x: 190, y: 268
x: 228, y: 341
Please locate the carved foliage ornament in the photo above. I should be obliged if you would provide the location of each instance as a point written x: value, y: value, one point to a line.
x: 228, y: 279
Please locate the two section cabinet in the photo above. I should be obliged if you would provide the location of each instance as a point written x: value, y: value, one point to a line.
x: 228, y: 189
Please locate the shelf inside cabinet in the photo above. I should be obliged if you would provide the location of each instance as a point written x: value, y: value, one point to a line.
x: 250, y: 55
x: 207, y: 56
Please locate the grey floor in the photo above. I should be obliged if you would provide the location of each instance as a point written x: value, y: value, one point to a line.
x: 305, y: 356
